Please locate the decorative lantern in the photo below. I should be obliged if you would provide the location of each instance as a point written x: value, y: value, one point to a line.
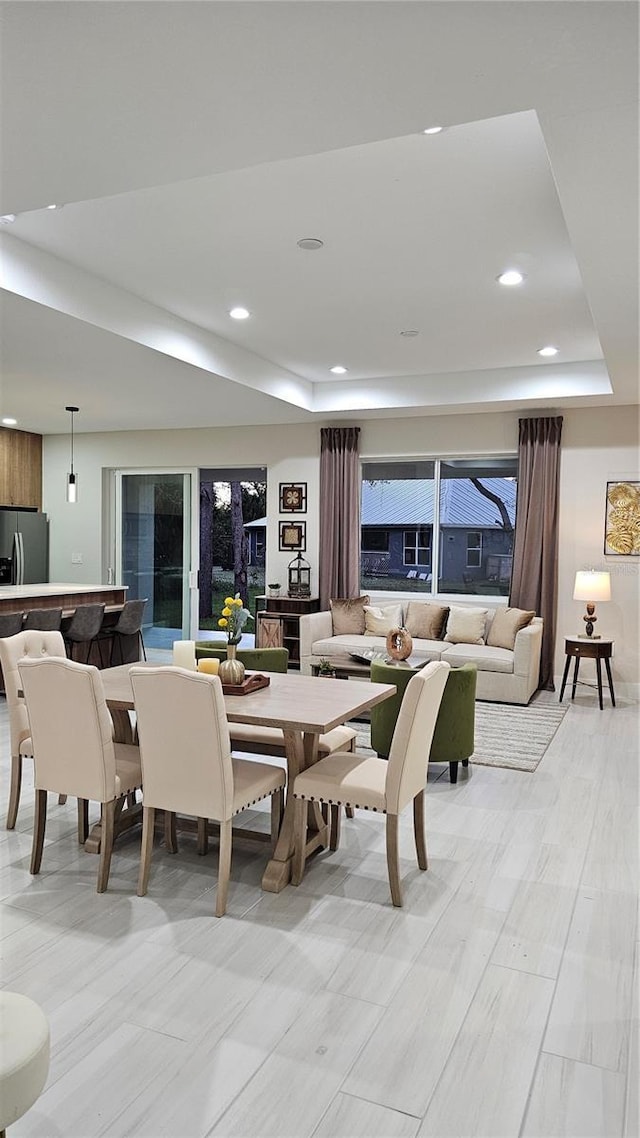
x: 299, y: 577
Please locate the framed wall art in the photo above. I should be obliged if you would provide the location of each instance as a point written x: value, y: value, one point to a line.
x: 293, y: 497
x: 622, y: 520
x: 293, y: 535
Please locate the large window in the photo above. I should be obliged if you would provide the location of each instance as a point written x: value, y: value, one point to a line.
x: 439, y: 526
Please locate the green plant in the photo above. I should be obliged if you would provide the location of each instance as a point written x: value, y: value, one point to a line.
x: 276, y: 585
x: 325, y: 667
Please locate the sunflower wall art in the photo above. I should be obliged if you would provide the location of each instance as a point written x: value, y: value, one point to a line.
x: 622, y: 519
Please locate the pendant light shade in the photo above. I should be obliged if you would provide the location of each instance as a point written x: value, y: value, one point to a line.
x: 72, y: 477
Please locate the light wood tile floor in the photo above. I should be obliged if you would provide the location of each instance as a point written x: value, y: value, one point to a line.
x: 502, y: 1000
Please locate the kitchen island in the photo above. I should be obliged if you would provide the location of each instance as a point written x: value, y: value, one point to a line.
x: 23, y: 598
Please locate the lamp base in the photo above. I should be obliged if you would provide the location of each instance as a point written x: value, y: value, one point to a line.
x: 585, y: 636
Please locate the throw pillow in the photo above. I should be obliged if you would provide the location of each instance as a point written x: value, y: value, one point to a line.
x: 466, y: 626
x: 348, y: 615
x: 426, y: 621
x: 506, y: 625
x: 380, y: 621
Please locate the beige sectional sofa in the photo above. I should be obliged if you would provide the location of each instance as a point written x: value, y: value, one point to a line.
x: 505, y: 675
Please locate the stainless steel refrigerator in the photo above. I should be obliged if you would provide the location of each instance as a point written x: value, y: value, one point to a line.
x: 24, y: 547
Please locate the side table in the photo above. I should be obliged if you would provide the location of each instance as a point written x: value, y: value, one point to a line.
x: 582, y: 648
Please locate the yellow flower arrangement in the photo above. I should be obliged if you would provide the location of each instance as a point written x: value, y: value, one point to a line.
x: 233, y: 619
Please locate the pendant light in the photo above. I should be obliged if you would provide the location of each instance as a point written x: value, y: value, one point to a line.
x: 72, y: 478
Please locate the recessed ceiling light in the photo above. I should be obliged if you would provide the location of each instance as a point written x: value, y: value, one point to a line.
x: 338, y: 369
x: 310, y: 243
x: 52, y: 206
x: 410, y: 332
x: 7, y: 218
x: 239, y: 313
x: 549, y: 350
x: 510, y: 277
x: 432, y: 130
x: 9, y: 422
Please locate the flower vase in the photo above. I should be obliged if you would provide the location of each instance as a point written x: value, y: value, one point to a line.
x: 231, y: 670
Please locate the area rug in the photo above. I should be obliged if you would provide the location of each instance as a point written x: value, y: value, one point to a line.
x: 507, y: 735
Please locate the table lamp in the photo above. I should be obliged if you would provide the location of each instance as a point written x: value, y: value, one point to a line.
x: 591, y: 586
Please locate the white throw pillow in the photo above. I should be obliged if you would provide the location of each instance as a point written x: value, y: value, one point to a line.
x: 380, y: 621
x: 466, y: 626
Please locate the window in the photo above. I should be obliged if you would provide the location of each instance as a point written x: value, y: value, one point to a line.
x: 474, y: 550
x: 447, y: 525
x: 417, y: 547
x: 375, y: 540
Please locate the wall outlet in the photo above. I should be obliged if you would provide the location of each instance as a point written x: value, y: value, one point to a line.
x: 76, y: 559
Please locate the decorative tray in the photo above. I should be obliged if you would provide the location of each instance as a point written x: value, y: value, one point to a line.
x: 252, y: 681
x: 368, y: 655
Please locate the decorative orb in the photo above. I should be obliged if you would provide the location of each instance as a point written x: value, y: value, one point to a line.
x: 399, y: 644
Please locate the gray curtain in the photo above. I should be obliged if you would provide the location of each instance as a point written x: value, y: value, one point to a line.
x: 535, y: 556
x: 339, y: 572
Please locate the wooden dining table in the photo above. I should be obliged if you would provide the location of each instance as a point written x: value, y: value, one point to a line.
x: 303, y: 707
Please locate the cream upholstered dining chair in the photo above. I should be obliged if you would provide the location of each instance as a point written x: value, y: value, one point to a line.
x: 382, y: 785
x: 188, y: 767
x: 73, y: 748
x: 34, y: 644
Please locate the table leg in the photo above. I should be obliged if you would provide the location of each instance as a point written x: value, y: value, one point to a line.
x: 564, y: 677
x: 610, y: 679
x: 301, y: 752
x: 575, y: 677
x: 122, y: 733
x: 599, y: 677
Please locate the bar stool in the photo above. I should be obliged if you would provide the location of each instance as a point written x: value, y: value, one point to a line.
x: 85, y: 625
x: 10, y: 623
x: 129, y: 623
x: 44, y: 620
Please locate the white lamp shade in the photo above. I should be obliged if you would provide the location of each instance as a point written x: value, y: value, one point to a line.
x: 592, y: 585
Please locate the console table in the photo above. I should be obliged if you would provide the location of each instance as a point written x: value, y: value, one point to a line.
x: 278, y: 624
x: 583, y: 648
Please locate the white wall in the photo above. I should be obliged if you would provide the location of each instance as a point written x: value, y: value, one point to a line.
x: 599, y: 445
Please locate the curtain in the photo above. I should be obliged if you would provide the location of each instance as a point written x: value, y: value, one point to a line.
x: 535, y: 556
x: 339, y: 572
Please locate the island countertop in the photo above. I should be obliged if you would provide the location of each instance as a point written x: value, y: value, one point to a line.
x: 59, y: 595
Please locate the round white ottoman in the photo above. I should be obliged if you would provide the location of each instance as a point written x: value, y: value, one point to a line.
x: 24, y: 1055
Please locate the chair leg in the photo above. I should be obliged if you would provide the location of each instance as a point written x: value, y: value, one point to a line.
x: 334, y: 833
x: 392, y: 860
x: 299, y: 839
x: 277, y: 814
x: 39, y: 826
x: 107, y: 817
x: 14, y: 792
x: 144, y: 653
x: 418, y: 830
x: 349, y: 811
x: 170, y: 836
x: 83, y: 820
x: 453, y: 771
x: 203, y: 836
x: 224, y: 868
x: 148, y: 822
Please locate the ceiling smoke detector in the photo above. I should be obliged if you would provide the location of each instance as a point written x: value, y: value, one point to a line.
x: 410, y: 332
x: 310, y: 243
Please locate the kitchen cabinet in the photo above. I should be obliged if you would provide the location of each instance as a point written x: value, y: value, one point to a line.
x: 20, y: 468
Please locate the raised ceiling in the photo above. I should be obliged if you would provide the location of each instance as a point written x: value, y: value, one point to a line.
x: 191, y: 145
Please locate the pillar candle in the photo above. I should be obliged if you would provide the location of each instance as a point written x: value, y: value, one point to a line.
x: 209, y: 665
x: 184, y: 654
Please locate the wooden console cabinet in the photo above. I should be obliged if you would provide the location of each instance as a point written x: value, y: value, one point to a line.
x: 278, y: 624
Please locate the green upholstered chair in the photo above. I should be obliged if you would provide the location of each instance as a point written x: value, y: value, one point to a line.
x: 453, y: 738
x: 255, y: 659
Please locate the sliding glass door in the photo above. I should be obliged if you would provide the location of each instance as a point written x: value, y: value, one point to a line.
x: 153, y: 552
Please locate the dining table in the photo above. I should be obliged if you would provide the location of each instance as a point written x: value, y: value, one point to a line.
x: 303, y: 707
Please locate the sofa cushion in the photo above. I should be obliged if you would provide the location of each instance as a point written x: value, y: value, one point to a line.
x: 425, y: 620
x: 348, y: 615
x: 380, y: 621
x: 486, y: 659
x: 465, y: 625
x: 505, y: 626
